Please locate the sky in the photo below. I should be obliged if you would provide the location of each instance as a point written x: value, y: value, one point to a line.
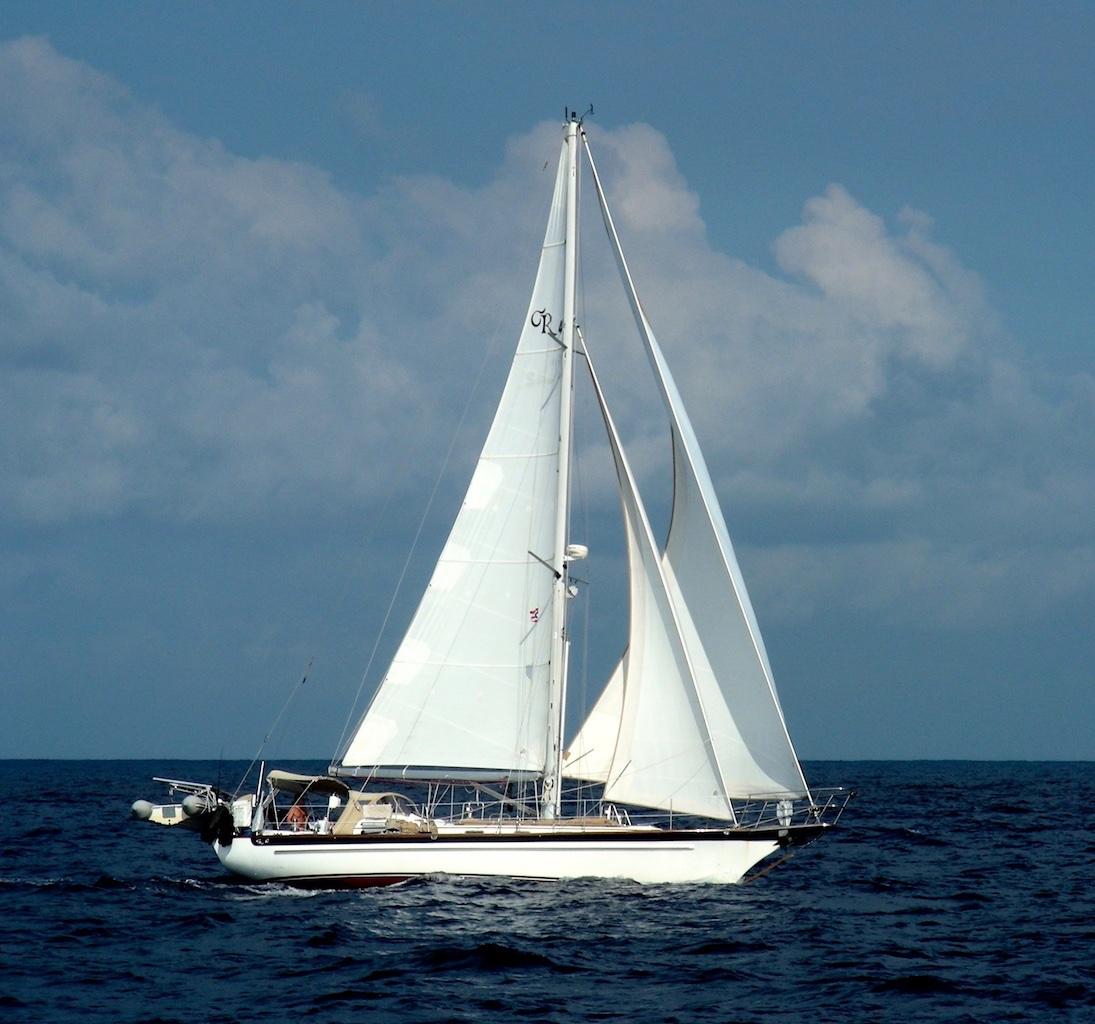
x: 262, y: 266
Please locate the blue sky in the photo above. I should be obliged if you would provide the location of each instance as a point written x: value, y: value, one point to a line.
x: 251, y: 259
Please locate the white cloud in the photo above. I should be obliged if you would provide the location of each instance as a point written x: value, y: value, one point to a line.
x: 193, y: 335
x: 168, y: 347
x: 898, y: 287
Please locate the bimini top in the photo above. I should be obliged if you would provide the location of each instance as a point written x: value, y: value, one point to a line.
x: 290, y: 782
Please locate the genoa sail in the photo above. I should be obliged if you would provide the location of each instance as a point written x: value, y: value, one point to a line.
x: 746, y: 731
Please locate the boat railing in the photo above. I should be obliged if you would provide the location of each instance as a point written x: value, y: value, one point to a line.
x: 821, y: 807
x: 762, y: 811
x: 320, y: 814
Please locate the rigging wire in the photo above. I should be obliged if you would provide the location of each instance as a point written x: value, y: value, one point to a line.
x: 583, y: 506
x: 489, y: 351
x: 578, y: 697
x: 455, y: 436
x: 270, y: 732
x: 363, y: 550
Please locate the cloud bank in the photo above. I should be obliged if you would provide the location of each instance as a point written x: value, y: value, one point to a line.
x: 189, y: 335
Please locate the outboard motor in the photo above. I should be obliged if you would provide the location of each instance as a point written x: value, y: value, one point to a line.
x: 218, y: 826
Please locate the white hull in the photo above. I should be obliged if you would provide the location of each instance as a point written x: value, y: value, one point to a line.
x: 702, y: 856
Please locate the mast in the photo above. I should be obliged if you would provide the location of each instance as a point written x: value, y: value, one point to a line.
x: 552, y: 794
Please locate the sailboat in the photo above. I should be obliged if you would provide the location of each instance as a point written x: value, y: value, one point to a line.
x: 683, y: 769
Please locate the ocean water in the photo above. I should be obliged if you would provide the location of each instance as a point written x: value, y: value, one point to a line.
x: 951, y: 891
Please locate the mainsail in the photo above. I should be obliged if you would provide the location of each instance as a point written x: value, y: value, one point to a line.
x: 466, y: 695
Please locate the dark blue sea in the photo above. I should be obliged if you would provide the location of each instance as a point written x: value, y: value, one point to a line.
x: 951, y: 891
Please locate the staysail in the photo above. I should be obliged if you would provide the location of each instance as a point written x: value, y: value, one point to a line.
x: 466, y: 695
x: 663, y: 755
x: 745, y: 728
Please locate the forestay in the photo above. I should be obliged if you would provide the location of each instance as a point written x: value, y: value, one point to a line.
x: 466, y: 694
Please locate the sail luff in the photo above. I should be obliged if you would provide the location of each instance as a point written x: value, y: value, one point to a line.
x: 749, y: 730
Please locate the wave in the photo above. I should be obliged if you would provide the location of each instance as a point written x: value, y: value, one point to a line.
x: 489, y: 957
x: 727, y: 947
x: 917, y: 984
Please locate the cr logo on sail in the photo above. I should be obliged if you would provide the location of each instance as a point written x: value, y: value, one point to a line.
x: 542, y: 319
